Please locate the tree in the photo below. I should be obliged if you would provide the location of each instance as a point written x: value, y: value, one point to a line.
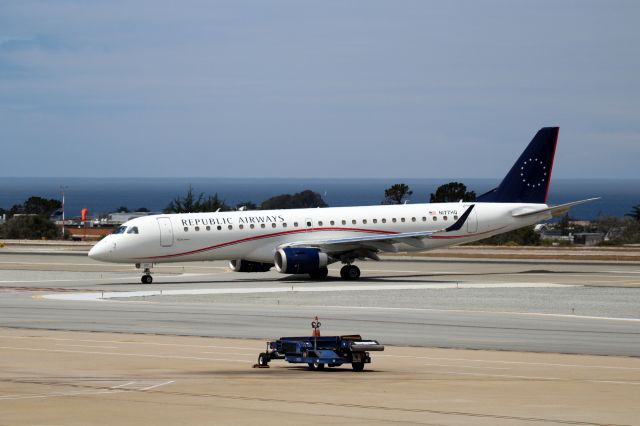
x: 300, y: 200
x: 634, y: 213
x: 452, y: 192
x: 123, y: 209
x: 619, y: 230
x: 247, y: 205
x: 36, y: 205
x: 142, y: 210
x: 396, y: 193
x: 564, y: 224
x: 30, y: 227
x: 190, y: 204
x: 522, y: 237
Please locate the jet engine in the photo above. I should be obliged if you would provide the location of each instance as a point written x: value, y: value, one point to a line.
x: 300, y: 260
x: 241, y: 265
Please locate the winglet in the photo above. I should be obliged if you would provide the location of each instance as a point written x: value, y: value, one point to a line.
x: 456, y: 226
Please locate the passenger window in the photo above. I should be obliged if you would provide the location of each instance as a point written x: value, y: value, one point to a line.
x: 186, y: 229
x: 208, y: 228
x: 273, y: 225
x: 262, y: 225
x: 354, y: 221
x: 284, y: 224
x: 197, y: 228
x: 444, y: 218
x: 424, y: 218
x: 133, y: 230
x: 435, y: 219
x: 332, y: 222
x: 394, y: 220
x: 319, y: 223
x: 309, y: 224
x: 241, y: 226
x: 252, y: 226
x: 375, y: 220
x: 219, y: 228
x: 402, y: 220
x: 344, y: 222
x: 413, y: 219
x: 384, y: 220
x: 455, y: 217
x: 120, y: 230
x: 230, y: 227
x: 295, y: 224
x: 364, y: 221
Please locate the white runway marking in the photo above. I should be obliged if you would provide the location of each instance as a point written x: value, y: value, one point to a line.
x: 544, y: 314
x: 292, y: 288
x: 123, y: 387
x: 156, y: 386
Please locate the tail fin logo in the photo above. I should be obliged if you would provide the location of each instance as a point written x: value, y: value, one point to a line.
x: 533, y: 172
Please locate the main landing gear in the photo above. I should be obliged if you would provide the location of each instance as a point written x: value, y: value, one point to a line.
x: 146, y: 278
x: 350, y: 272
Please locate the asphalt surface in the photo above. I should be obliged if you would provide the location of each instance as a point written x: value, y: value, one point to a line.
x: 534, y: 306
x: 78, y: 378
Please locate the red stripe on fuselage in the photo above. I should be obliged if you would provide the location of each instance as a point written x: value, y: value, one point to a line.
x: 275, y: 234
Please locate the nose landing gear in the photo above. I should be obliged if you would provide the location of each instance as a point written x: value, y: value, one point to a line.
x: 146, y: 278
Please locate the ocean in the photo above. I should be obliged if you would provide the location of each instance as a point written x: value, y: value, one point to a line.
x: 104, y: 195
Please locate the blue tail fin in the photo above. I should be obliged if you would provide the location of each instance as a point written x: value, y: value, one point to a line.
x: 528, y: 180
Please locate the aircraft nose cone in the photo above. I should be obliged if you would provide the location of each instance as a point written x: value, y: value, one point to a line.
x: 99, y: 252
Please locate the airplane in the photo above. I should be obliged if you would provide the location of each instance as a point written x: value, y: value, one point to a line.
x: 306, y: 241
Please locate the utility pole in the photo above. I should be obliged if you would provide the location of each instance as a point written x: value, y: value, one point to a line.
x: 62, y: 188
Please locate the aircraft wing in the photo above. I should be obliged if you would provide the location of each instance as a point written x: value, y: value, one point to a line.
x: 555, y: 210
x: 379, y: 242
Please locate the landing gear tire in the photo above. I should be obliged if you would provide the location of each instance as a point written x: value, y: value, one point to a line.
x: 146, y: 279
x: 357, y: 366
x: 350, y: 272
x: 320, y: 274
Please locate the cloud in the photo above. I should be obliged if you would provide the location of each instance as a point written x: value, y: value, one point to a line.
x: 234, y: 87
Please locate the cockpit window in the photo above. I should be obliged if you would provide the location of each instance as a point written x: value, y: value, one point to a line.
x: 133, y: 230
x: 120, y: 230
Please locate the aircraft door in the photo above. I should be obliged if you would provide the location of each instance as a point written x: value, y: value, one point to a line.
x: 166, y: 231
x: 472, y: 222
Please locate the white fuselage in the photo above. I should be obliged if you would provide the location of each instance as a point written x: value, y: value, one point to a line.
x: 256, y: 235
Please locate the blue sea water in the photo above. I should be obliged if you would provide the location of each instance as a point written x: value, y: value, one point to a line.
x: 103, y: 195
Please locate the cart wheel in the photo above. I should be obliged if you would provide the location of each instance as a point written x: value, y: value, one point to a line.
x: 357, y: 366
x: 263, y: 359
x: 316, y: 366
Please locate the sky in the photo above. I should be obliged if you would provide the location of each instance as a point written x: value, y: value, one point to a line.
x: 144, y: 88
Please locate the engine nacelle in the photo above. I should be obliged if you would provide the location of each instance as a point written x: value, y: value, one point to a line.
x: 300, y: 260
x: 241, y: 265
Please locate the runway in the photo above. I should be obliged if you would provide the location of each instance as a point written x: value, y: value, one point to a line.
x: 534, y: 306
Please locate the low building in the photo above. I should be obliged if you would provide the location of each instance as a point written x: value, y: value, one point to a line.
x: 588, y: 238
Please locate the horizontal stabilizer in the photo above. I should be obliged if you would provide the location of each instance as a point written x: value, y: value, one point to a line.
x: 555, y: 210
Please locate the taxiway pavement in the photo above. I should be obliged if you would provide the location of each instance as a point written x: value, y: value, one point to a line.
x: 79, y: 378
x: 535, y: 306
